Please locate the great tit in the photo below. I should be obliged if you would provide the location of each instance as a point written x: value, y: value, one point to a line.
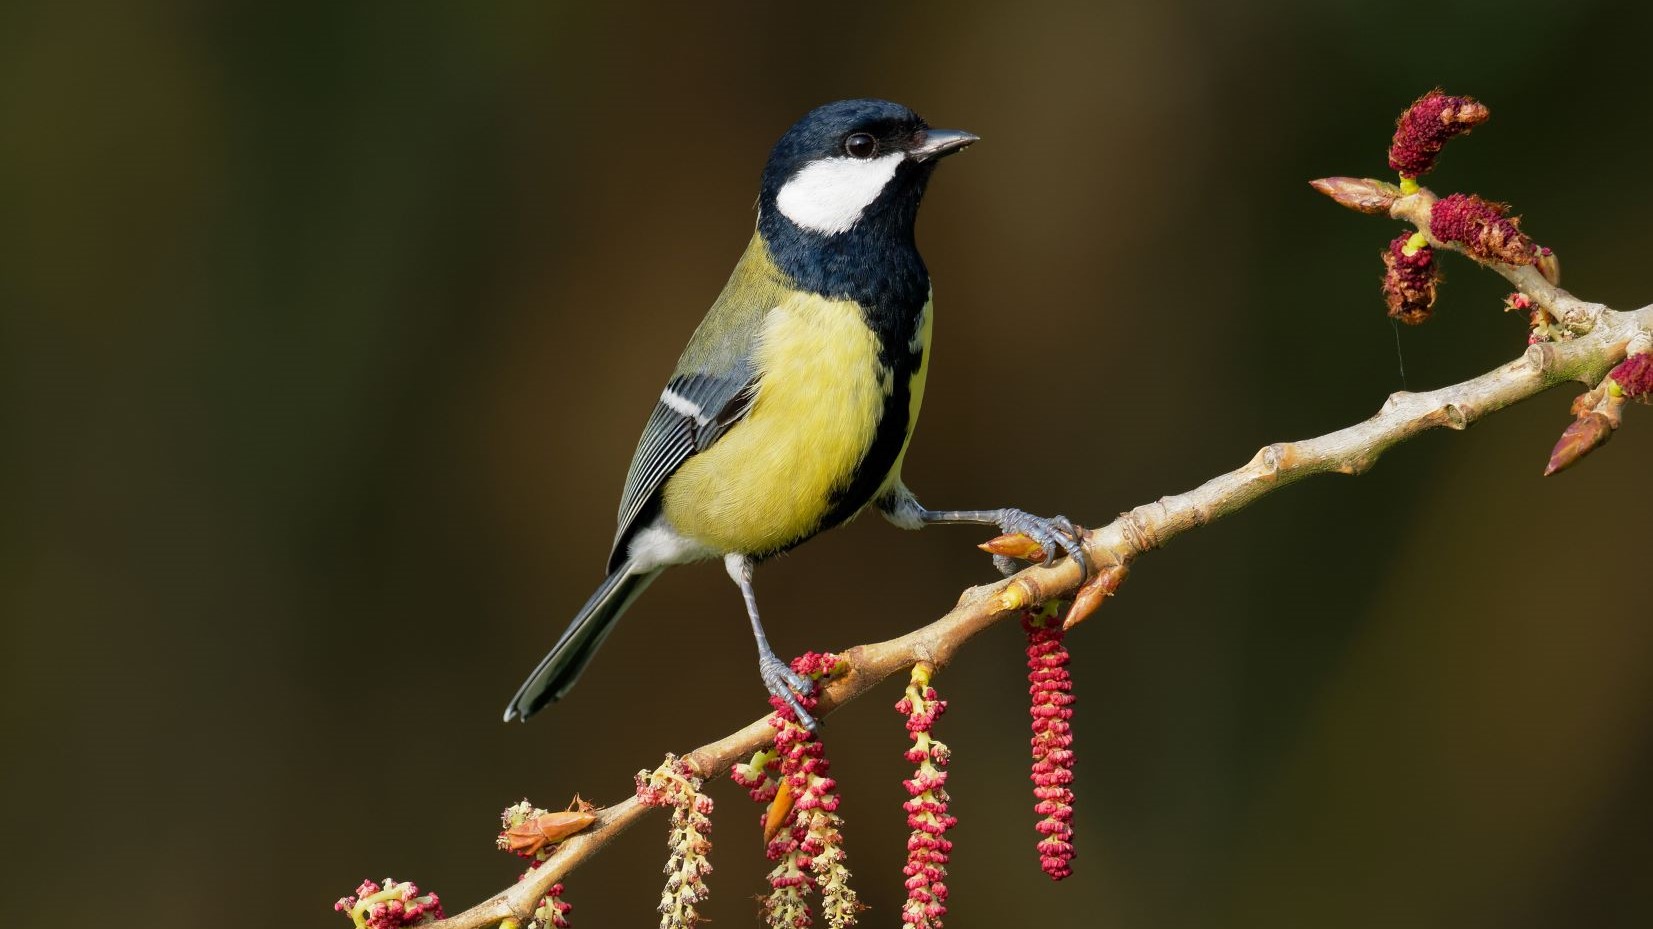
x: 791, y: 407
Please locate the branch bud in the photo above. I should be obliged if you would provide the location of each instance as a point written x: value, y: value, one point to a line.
x: 1014, y: 545
x: 1013, y: 597
x: 1361, y: 194
x: 1587, y: 433
x: 1426, y: 126
x: 1549, y: 265
x: 780, y: 807
x: 1090, y: 596
x: 527, y: 838
x: 1593, y: 399
x: 529, y: 832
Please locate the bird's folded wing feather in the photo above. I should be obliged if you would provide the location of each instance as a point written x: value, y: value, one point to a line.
x: 693, y: 411
x: 713, y: 389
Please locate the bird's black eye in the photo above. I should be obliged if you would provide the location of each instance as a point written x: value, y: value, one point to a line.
x: 861, y: 145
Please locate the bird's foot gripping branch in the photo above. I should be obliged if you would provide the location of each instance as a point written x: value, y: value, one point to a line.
x: 784, y: 764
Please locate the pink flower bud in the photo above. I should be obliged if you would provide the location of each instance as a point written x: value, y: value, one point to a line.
x: 552, y: 913
x: 395, y: 905
x: 760, y: 776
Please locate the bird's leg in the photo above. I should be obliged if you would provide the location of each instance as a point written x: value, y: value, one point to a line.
x: 778, y: 677
x: 1056, y: 535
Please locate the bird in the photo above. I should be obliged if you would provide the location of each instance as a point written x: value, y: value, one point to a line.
x: 791, y: 408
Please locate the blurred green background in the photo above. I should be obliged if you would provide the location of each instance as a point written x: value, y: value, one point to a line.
x: 328, y: 329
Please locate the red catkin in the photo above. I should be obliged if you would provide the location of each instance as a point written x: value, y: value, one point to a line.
x: 1634, y: 375
x: 808, y: 848
x: 395, y: 905
x: 1409, y: 281
x: 1427, y: 125
x: 1050, y: 688
x: 1483, y: 230
x: 928, y: 847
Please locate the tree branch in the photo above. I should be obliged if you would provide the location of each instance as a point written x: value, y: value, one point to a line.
x: 1351, y: 450
x: 1589, y: 339
x: 1572, y: 313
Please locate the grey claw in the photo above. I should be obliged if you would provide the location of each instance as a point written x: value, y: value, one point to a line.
x: 1076, y: 550
x: 1056, y: 536
x: 804, y: 719
x: 1005, y: 564
x: 799, y: 682
x: 781, y: 681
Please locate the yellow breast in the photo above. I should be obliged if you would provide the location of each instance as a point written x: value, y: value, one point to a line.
x: 767, y: 483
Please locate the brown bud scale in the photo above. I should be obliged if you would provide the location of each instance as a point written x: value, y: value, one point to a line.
x: 1090, y: 596
x: 1549, y: 265
x: 1586, y: 434
x: 779, y: 809
x: 1361, y: 194
x: 1014, y: 545
x: 545, y: 829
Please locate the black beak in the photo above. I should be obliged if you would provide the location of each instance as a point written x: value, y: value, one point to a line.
x: 939, y: 143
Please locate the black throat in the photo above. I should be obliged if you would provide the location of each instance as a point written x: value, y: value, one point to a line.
x: 875, y: 263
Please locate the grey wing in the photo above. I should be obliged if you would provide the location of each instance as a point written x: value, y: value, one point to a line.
x: 693, y: 411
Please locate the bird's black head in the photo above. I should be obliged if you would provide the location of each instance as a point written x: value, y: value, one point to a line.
x: 842, y: 188
x: 854, y: 162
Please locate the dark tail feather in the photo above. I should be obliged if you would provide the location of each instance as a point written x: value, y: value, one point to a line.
x: 561, y: 667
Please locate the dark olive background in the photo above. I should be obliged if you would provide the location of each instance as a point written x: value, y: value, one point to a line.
x: 328, y: 329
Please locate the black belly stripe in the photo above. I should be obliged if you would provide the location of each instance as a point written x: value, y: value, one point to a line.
x: 886, y: 444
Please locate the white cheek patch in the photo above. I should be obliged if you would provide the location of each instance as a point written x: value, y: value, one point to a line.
x: 829, y: 195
